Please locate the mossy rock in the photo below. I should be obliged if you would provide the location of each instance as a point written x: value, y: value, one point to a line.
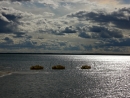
x: 36, y: 67
x: 86, y: 67
x: 58, y: 67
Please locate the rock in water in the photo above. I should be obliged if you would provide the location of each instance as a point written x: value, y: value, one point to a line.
x: 36, y: 67
x: 58, y: 67
x: 86, y: 67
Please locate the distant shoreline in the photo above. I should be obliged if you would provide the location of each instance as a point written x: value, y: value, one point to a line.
x: 70, y: 53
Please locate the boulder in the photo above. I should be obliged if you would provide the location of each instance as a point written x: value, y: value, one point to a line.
x: 36, y: 67
x: 58, y: 67
x: 86, y: 67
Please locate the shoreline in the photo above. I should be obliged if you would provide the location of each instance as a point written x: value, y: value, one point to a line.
x: 4, y: 73
x: 72, y: 53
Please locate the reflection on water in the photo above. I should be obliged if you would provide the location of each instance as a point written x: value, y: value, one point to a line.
x: 108, y: 78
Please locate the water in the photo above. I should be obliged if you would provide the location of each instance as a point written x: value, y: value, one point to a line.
x: 109, y: 76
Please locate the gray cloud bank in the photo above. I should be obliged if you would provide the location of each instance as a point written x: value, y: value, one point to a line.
x: 22, y: 29
x: 120, y: 18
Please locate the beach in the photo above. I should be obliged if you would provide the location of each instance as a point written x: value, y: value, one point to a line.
x: 4, y: 73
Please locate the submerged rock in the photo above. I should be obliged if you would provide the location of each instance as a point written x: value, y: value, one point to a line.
x: 36, y: 67
x: 58, y: 67
x: 86, y: 67
x: 4, y: 73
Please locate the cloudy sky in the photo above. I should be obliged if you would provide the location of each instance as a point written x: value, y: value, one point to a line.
x: 65, y: 26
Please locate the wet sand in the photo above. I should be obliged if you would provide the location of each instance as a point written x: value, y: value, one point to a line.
x: 4, y: 73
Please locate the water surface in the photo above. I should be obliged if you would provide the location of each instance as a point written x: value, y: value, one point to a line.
x: 108, y: 78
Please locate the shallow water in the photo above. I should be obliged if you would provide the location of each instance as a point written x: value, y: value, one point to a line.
x: 108, y: 78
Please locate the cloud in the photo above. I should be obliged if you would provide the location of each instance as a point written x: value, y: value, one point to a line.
x: 72, y: 48
x: 15, y: 21
x: 116, y: 42
x: 8, y: 40
x: 22, y: 28
x: 3, y: 24
x: 100, y: 32
x: 111, y: 45
x: 48, y: 14
x: 85, y: 35
x: 69, y: 29
x: 9, y: 19
x: 19, y: 34
x: 106, y: 32
x: 119, y: 18
x: 50, y: 3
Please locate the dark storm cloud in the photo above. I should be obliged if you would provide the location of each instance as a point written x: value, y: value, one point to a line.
x: 10, y: 13
x: 8, y: 20
x: 120, y: 18
x: 69, y: 29
x: 63, y: 31
x: 11, y: 16
x: 106, y: 33
x: 101, y: 32
x: 3, y: 26
x: 85, y: 35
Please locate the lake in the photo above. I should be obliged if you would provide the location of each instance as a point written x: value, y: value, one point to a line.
x: 109, y: 76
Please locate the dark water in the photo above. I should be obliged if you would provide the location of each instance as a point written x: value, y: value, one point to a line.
x: 109, y: 76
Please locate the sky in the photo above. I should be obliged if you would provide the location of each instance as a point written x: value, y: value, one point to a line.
x: 65, y: 26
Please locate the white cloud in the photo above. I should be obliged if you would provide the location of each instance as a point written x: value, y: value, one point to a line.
x: 50, y: 3
x: 48, y: 14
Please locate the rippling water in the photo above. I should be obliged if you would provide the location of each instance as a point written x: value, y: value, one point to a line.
x: 109, y: 76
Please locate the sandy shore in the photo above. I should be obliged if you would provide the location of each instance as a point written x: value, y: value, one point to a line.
x: 3, y: 73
